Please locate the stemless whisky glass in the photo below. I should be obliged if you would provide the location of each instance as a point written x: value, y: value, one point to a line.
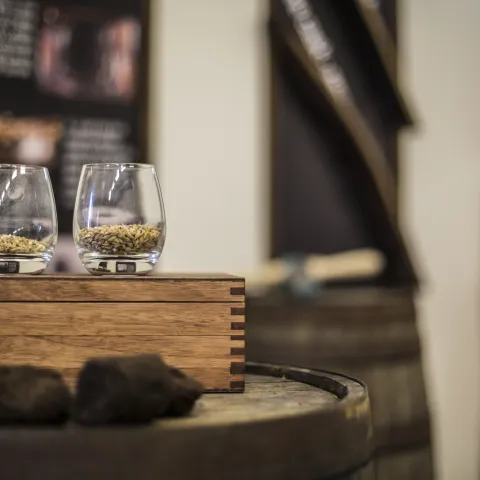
x: 119, y: 222
x: 28, y: 219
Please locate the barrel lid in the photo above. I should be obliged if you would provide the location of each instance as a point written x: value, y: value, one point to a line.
x: 290, y: 423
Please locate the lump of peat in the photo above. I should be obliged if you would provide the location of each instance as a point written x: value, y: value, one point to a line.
x: 185, y: 392
x: 32, y: 395
x: 133, y: 389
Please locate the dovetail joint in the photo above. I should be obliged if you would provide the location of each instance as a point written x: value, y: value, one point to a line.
x: 237, y: 337
x: 240, y: 291
x: 238, y: 325
x: 237, y: 386
x: 237, y: 351
x: 237, y: 368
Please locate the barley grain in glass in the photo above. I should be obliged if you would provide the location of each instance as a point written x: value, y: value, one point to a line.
x: 119, y: 221
x: 28, y: 219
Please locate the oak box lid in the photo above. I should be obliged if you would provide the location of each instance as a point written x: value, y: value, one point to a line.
x: 154, y: 288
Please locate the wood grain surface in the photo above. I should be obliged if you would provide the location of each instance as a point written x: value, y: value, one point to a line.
x: 196, y: 323
x: 318, y: 428
x: 217, y: 379
x: 114, y: 319
x: 71, y: 351
x: 88, y: 288
x: 208, y: 358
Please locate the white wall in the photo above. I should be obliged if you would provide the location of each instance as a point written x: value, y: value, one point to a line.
x: 441, y: 200
x: 208, y: 131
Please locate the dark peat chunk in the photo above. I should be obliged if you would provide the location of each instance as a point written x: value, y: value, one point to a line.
x: 32, y: 395
x: 134, y: 389
x: 185, y: 392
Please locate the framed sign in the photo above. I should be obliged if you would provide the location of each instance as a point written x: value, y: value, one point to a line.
x: 73, y: 87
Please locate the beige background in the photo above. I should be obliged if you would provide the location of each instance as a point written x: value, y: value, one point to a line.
x: 441, y: 199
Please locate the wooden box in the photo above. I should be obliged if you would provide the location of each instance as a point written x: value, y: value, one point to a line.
x: 195, y: 322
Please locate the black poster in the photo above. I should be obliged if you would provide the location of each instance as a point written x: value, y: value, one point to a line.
x: 72, y: 87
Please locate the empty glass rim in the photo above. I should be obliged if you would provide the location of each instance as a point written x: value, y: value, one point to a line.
x: 19, y: 166
x: 119, y: 165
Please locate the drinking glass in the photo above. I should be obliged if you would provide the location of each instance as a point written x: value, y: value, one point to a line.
x: 119, y: 220
x: 28, y: 219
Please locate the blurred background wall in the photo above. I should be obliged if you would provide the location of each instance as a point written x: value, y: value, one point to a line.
x: 208, y: 131
x: 441, y: 199
x: 209, y: 135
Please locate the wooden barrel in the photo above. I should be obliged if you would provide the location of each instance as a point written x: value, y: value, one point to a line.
x: 291, y: 423
x: 370, y: 334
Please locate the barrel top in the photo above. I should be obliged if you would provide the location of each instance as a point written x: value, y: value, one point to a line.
x: 290, y: 423
x: 269, y: 397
